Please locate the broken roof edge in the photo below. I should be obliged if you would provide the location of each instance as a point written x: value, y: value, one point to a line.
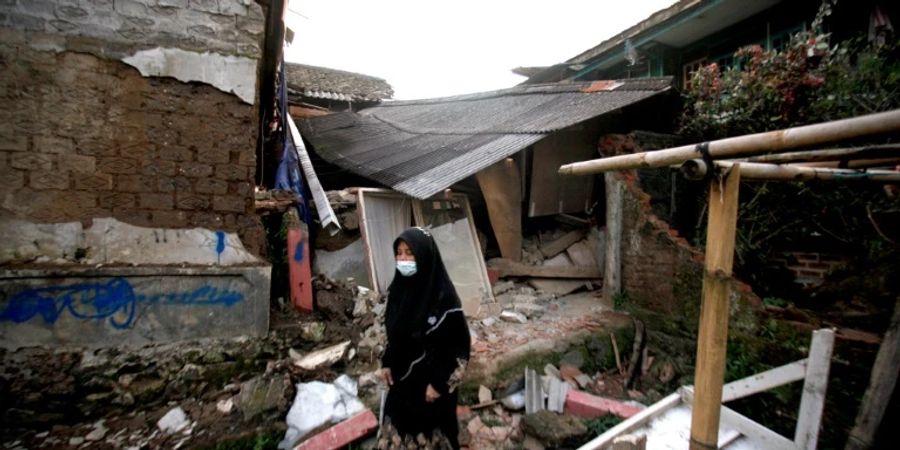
x: 637, y: 84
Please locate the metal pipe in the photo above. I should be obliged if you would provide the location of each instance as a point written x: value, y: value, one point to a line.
x: 786, y: 139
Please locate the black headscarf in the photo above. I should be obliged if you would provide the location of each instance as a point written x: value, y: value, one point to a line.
x: 427, y: 293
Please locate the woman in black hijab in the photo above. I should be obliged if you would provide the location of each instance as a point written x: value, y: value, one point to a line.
x: 427, y: 349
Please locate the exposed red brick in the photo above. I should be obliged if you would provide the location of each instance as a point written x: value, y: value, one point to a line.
x: 343, y: 433
x: 582, y: 404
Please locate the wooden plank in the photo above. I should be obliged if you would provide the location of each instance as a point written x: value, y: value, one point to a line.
x: 812, y: 403
x: 713, y: 334
x: 612, y: 277
x: 764, y: 381
x: 507, y: 268
x: 633, y: 423
x: 560, y: 245
x: 299, y: 270
x: 501, y: 187
x: 760, y: 435
x: 881, y: 384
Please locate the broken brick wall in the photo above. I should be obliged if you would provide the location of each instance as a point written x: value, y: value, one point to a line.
x: 662, y: 273
x: 83, y: 134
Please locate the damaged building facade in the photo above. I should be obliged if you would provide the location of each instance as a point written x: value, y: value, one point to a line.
x: 128, y: 155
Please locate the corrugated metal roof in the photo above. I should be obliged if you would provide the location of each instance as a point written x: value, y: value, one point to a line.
x: 421, y: 147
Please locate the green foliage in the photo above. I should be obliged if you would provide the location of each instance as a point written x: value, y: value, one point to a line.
x: 264, y: 441
x: 809, y: 81
x: 775, y: 301
x: 620, y: 299
x: 599, y: 425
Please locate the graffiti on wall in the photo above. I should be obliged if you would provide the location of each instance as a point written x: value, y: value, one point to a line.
x: 115, y: 300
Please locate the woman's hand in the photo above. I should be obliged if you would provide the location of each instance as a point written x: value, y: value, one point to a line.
x: 431, y: 394
x: 386, y: 376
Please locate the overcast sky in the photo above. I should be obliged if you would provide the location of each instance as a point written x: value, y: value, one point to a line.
x: 429, y: 48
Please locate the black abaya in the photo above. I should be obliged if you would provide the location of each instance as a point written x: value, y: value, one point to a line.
x: 428, y: 343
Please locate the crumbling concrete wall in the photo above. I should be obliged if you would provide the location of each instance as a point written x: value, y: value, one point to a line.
x: 141, y: 110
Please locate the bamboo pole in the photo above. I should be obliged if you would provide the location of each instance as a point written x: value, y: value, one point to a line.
x: 713, y: 335
x: 852, y: 164
x: 772, y: 141
x: 831, y: 154
x: 696, y: 169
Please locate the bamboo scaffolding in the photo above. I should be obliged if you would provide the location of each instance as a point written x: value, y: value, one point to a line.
x: 852, y: 164
x: 696, y: 169
x: 772, y: 141
x: 831, y: 154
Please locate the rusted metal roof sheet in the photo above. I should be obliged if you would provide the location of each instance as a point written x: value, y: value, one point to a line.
x: 421, y: 147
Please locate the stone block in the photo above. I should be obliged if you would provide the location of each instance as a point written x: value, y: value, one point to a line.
x: 12, y: 178
x: 243, y: 189
x: 48, y: 180
x: 118, y: 165
x: 211, y: 186
x: 115, y: 200
x: 211, y: 6
x: 97, y: 148
x: 195, y: 170
x: 215, y: 155
x: 17, y: 143
x: 31, y: 161
x: 173, y: 153
x: 77, y: 163
x: 132, y: 216
x: 247, y: 158
x: 231, y: 172
x: 136, y: 183
x: 169, y: 219
x: 38, y: 8
x: 156, y: 167
x: 130, y: 8
x: 190, y: 202
x: 208, y: 220
x: 231, y: 203
x: 71, y: 12
x: 174, y: 184
x: 173, y: 3
x: 233, y: 7
x: 156, y: 201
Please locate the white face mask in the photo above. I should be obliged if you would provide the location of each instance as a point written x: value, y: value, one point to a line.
x: 406, y: 268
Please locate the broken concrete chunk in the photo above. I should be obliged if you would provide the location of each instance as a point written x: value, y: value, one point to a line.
x: 488, y: 321
x: 512, y: 316
x: 317, y: 404
x: 313, y: 331
x: 551, y: 371
x: 553, y: 429
x: 503, y: 286
x: 174, y: 421
x: 630, y: 442
x: 259, y: 395
x: 484, y: 394
x: 583, y: 381
x: 530, y: 310
x: 225, y: 406
x: 323, y: 358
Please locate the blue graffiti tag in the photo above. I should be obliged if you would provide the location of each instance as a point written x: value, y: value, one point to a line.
x: 114, y: 299
x: 220, y: 244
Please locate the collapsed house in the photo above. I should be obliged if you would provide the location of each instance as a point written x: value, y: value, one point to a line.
x: 498, y: 148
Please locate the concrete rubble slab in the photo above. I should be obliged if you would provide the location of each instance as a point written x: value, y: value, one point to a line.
x: 324, y: 357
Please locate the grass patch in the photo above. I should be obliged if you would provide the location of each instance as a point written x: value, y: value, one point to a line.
x: 599, y: 425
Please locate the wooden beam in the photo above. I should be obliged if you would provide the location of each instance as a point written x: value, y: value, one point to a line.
x: 612, y: 275
x: 696, y: 169
x: 771, y: 141
x: 501, y: 187
x: 713, y: 334
x: 881, y: 385
x: 560, y: 245
x: 507, y: 268
x: 812, y: 403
